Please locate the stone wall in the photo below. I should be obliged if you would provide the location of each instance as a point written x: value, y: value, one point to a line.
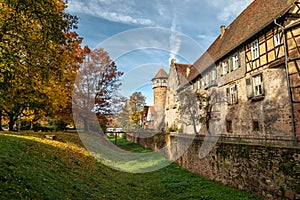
x: 272, y: 113
x: 269, y: 172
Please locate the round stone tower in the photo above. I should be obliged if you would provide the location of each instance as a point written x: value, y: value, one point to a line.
x: 159, y: 85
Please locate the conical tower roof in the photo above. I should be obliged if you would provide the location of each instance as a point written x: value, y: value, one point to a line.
x: 161, y: 74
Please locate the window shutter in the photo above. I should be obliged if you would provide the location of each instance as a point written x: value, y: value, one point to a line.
x: 220, y: 70
x: 236, y: 94
x: 262, y: 85
x: 230, y: 64
x: 227, y: 70
x: 228, y: 95
x: 239, y: 57
x: 249, y: 88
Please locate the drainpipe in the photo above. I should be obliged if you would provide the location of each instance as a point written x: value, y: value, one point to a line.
x: 288, y: 81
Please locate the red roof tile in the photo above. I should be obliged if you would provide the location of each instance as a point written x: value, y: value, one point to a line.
x: 181, y: 70
x: 258, y: 15
x: 161, y: 74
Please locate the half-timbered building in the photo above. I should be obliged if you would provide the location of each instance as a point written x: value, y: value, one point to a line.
x: 254, y: 65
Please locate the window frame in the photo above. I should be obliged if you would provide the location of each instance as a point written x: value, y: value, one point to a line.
x: 207, y: 79
x: 257, y: 85
x: 235, y: 62
x: 213, y: 75
x: 198, y: 85
x: 253, y: 86
x: 203, y: 82
x: 255, y: 49
x: 225, y: 68
x: 277, y: 40
x: 232, y: 95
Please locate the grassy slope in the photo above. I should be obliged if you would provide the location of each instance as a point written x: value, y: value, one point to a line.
x: 32, y: 167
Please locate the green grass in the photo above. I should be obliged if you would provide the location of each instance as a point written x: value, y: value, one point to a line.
x: 32, y: 167
x: 129, y: 146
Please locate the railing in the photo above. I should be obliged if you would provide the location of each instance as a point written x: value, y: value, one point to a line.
x: 285, y: 141
x: 252, y: 139
x: 114, y: 130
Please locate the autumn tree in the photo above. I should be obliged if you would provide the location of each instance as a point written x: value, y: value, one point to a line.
x: 39, y: 56
x: 131, y: 116
x: 96, y: 85
x: 136, y: 106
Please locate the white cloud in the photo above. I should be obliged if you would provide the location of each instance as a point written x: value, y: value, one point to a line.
x: 112, y: 10
x: 174, y: 39
x: 199, y: 20
x: 232, y: 10
x: 229, y: 9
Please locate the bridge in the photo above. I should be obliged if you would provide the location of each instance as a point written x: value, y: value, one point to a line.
x: 114, y: 131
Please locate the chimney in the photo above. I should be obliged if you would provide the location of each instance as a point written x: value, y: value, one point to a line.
x: 222, y: 30
x: 188, y: 71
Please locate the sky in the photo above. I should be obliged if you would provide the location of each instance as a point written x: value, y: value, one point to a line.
x: 142, y: 36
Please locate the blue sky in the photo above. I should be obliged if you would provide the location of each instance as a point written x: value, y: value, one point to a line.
x: 143, y: 35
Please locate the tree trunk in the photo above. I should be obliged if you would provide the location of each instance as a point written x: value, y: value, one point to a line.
x: 1, y: 129
x: 11, y: 122
x: 35, y: 126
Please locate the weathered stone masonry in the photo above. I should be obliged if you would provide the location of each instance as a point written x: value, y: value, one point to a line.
x: 269, y: 172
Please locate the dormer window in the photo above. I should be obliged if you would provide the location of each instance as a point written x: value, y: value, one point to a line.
x: 254, y: 50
